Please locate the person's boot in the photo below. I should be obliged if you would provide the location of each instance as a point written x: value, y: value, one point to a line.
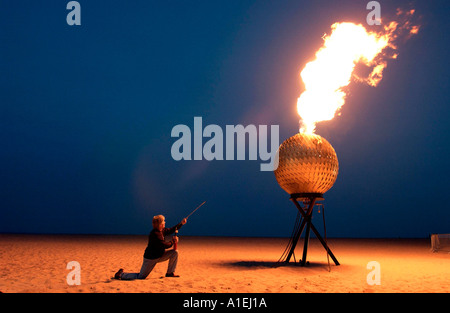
x: 118, y: 275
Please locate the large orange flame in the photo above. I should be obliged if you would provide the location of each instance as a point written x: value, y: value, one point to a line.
x: 333, y: 68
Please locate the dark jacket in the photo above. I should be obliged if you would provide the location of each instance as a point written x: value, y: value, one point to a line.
x: 157, y: 244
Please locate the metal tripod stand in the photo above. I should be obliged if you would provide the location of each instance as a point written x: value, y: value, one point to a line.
x: 309, y: 199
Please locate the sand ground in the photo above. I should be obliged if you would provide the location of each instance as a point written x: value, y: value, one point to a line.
x: 37, y: 263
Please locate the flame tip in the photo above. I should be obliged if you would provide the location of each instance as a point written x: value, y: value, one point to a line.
x: 326, y: 77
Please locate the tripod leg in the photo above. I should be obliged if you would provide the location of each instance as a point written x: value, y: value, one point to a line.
x: 307, y: 220
x: 306, y: 243
x: 294, y: 243
x: 324, y: 244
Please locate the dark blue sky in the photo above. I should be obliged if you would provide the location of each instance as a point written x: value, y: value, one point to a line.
x: 87, y: 112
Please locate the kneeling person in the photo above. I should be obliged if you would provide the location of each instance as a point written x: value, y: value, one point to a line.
x: 156, y: 251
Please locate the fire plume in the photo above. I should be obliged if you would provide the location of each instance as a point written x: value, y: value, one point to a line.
x: 326, y: 77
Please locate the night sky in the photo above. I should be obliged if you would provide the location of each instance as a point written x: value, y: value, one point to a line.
x: 87, y: 113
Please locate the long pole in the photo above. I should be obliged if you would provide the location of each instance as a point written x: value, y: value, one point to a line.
x: 175, y: 245
x: 196, y: 209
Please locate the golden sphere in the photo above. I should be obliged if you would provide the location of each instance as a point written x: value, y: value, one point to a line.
x: 307, y: 163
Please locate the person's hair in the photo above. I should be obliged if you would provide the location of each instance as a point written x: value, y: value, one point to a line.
x: 157, y: 220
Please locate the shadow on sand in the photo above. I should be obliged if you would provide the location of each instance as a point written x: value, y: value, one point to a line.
x: 250, y: 264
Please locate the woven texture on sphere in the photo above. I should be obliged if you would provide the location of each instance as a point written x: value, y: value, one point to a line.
x: 307, y: 163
